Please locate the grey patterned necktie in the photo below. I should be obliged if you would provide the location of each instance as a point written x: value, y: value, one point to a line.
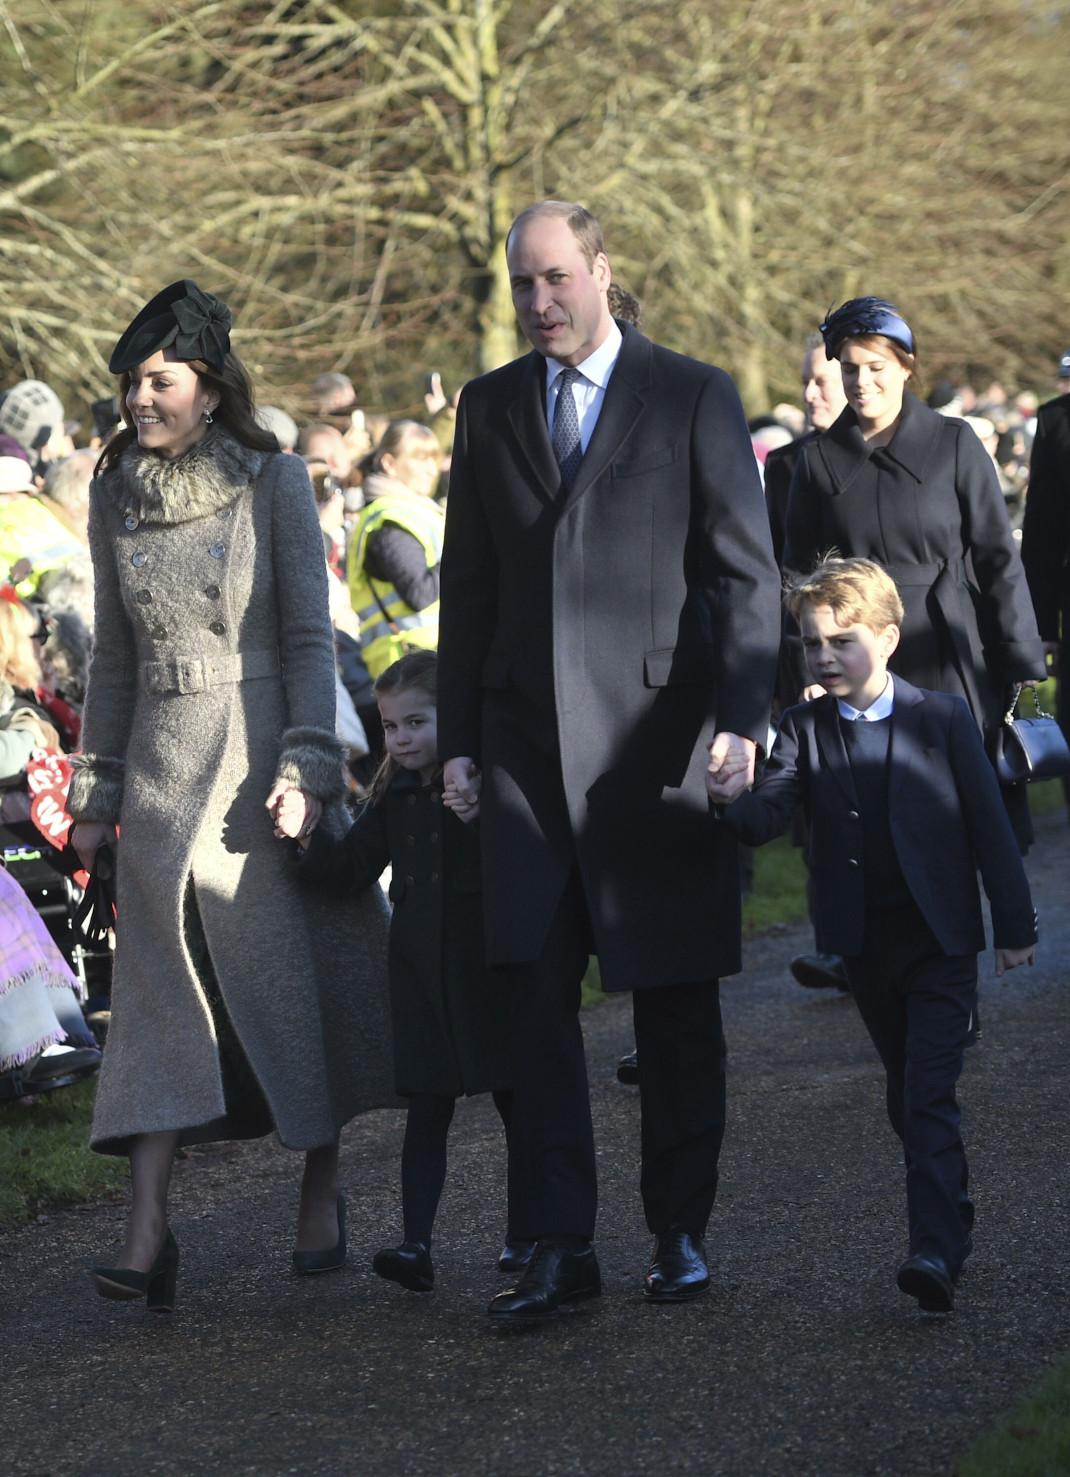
x: 568, y: 448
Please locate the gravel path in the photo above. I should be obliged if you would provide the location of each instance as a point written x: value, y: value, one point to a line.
x: 804, y: 1360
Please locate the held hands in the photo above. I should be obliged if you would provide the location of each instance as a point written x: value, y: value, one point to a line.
x: 1011, y: 958
x: 87, y: 836
x: 731, y: 767
x: 295, y: 813
x: 461, y: 785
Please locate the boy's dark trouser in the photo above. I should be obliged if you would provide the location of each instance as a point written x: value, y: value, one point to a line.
x: 916, y: 1004
x: 678, y: 1034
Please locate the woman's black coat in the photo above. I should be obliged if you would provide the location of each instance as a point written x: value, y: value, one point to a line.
x: 449, y: 1012
x: 929, y: 509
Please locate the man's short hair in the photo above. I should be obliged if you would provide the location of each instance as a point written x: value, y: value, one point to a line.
x: 317, y: 428
x: 332, y: 391
x: 583, y: 225
x: 858, y: 591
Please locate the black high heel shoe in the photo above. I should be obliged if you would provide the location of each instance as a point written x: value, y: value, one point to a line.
x: 157, y: 1285
x: 330, y: 1260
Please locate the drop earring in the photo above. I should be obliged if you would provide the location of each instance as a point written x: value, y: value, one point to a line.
x: 207, y: 417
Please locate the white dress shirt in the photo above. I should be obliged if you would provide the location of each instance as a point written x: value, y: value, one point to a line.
x: 590, y: 391
x: 880, y: 707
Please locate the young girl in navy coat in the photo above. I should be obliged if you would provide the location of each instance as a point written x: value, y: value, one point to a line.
x: 903, y: 809
x: 449, y: 1014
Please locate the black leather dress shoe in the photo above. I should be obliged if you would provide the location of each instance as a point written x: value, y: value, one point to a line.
x: 555, y: 1275
x: 820, y: 972
x: 928, y: 1280
x: 678, y: 1269
x: 409, y: 1264
x: 515, y: 1255
x: 628, y: 1069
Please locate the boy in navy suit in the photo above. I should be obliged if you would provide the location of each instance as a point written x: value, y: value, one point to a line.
x: 903, y: 808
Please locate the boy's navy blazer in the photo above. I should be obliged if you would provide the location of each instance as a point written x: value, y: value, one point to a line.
x: 945, y: 809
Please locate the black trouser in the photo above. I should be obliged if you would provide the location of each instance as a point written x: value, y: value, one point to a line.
x: 916, y: 1004
x: 552, y: 1182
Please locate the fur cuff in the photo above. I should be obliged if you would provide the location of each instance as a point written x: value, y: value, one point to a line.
x: 312, y: 759
x: 96, y: 792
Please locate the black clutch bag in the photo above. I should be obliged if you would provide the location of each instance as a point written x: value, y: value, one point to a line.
x: 1030, y: 748
x: 95, y: 914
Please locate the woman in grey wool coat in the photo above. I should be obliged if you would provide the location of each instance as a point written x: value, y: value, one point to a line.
x: 239, y: 1005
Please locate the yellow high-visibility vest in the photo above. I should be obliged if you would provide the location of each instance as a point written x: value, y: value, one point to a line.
x: 389, y: 627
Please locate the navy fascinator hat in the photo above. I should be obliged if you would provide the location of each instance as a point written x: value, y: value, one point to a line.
x: 181, y: 317
x: 862, y: 317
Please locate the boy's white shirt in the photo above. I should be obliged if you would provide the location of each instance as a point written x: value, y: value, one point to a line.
x: 880, y: 707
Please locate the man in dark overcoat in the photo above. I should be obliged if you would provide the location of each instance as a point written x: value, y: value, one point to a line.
x: 610, y: 624
x: 1046, y: 539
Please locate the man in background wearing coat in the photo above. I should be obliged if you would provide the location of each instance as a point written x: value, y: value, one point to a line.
x: 610, y: 624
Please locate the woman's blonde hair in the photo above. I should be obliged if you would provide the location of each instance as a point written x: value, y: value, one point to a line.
x: 858, y: 591
x: 416, y: 671
x: 19, y: 663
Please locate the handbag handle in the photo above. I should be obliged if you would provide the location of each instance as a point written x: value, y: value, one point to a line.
x: 1019, y: 688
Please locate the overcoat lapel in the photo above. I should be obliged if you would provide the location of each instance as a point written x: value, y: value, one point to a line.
x: 624, y: 402
x: 833, y: 749
x: 907, y: 740
x: 527, y: 417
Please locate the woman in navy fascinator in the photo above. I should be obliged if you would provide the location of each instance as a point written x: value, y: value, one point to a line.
x: 893, y: 481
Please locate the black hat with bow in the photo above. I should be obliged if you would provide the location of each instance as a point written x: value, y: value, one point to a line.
x: 193, y: 323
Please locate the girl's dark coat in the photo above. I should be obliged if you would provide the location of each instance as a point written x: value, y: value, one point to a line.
x: 449, y: 1010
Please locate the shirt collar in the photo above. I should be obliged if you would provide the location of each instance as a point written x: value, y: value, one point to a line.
x: 880, y: 707
x: 597, y: 367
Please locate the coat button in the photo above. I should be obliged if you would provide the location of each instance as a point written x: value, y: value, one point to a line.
x: 144, y: 597
x: 434, y: 876
x: 410, y: 881
x: 159, y: 632
x: 852, y: 861
x: 218, y: 628
x: 217, y: 550
x: 410, y: 840
x: 852, y: 815
x: 139, y: 559
x: 130, y: 521
x: 226, y: 512
x: 212, y: 591
x: 434, y: 835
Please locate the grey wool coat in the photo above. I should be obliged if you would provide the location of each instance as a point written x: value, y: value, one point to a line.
x: 213, y: 675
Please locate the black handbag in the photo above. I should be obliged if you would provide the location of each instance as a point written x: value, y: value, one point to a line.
x: 1030, y: 748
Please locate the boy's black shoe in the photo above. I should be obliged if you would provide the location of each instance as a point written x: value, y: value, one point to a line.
x: 820, y: 972
x: 628, y: 1069
x: 555, y: 1275
x: 678, y: 1269
x: 928, y: 1280
x: 409, y: 1264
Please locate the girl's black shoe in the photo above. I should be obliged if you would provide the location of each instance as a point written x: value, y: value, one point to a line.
x: 156, y: 1286
x: 409, y: 1264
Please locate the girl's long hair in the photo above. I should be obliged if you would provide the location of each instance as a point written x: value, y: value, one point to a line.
x: 19, y: 663
x: 236, y: 410
x: 418, y: 671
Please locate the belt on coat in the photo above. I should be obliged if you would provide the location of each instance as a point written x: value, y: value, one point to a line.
x: 187, y: 674
x: 948, y: 584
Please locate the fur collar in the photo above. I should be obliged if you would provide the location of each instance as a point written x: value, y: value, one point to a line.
x: 207, y: 477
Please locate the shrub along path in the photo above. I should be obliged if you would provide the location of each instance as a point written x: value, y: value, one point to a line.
x: 805, y: 1358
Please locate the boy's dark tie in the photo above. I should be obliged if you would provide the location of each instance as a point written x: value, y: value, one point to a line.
x: 566, y: 438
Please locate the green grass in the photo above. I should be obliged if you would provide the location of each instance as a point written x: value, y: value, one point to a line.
x: 44, y: 1158
x: 1046, y: 797
x: 1032, y: 1439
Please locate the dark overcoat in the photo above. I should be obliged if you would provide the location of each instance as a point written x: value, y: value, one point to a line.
x: 947, y: 821
x: 927, y: 507
x: 592, y: 642
x: 1046, y: 530
x: 449, y: 1014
